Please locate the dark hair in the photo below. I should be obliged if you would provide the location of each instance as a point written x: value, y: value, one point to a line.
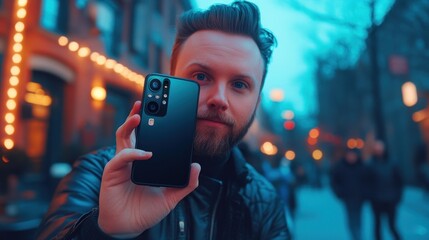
x: 241, y: 17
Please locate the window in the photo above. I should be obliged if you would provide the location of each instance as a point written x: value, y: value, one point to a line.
x: 107, y: 20
x: 54, y: 16
x: 139, y: 33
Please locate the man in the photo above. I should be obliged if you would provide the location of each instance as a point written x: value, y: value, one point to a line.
x: 226, y: 51
x: 386, y: 190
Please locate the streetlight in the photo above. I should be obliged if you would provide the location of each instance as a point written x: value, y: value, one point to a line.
x: 409, y: 94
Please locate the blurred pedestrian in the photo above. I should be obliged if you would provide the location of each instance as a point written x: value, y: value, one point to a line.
x: 348, y: 181
x: 386, y: 190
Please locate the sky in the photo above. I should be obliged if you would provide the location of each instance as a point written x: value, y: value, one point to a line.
x: 305, y: 30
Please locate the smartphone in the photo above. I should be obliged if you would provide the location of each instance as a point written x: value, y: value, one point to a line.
x: 167, y: 129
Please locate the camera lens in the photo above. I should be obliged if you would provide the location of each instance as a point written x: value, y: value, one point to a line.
x: 152, y: 107
x: 155, y: 85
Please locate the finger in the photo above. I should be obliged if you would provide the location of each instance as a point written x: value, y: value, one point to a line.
x: 135, y: 109
x: 175, y: 195
x: 126, y: 156
x: 124, y: 132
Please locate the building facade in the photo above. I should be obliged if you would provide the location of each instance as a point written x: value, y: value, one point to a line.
x: 353, y: 100
x: 71, y: 69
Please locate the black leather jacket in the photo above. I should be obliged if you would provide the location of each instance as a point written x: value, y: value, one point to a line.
x: 244, y: 207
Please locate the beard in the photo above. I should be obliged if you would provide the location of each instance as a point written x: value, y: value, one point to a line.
x: 210, y: 143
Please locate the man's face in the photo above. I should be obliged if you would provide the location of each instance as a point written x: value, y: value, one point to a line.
x: 229, y: 70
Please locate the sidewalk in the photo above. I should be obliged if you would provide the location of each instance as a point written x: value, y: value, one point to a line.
x: 321, y: 216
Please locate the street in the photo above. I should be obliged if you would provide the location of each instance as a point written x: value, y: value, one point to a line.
x: 321, y: 216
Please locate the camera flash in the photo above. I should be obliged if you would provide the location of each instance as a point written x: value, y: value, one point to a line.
x: 151, y: 122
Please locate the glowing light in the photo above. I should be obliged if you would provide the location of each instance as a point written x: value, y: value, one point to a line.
x: 18, y: 37
x: 73, y: 46
x: 21, y: 13
x: 311, y: 141
x: 33, y: 87
x: 8, y: 143
x: 360, y: 143
x: 277, y: 95
x: 94, y: 56
x: 314, y: 133
x: 288, y: 114
x: 101, y: 60
x: 289, y: 125
x: 19, y: 26
x: 351, y: 143
x: 17, y: 47
x: 63, y: 41
x: 118, y: 68
x: 317, y: 154
x: 11, y: 104
x: 22, y: 3
x: 9, y: 129
x: 15, y: 70
x: 290, y: 155
x: 409, y: 94
x: 268, y: 148
x: 110, y: 63
x: 419, y: 116
x: 9, y: 117
x: 13, y: 81
x: 98, y: 93
x: 38, y: 99
x: 84, y: 52
x: 16, y: 58
x: 11, y: 93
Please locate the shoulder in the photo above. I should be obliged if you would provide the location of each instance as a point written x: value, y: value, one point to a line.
x: 258, y: 189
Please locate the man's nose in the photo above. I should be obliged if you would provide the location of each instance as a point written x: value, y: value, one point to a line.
x: 217, y: 97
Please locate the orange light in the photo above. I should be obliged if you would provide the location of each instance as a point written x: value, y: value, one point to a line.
x: 288, y: 115
x: 11, y: 93
x: 317, y: 154
x: 15, y: 70
x: 268, y: 148
x: 314, y: 133
x: 351, y: 143
x: 290, y: 155
x: 409, y: 94
x: 73, y: 46
x: 8, y: 143
x: 83, y: 52
x: 17, y: 47
x: 94, y: 56
x: 98, y: 93
x: 360, y: 143
x: 11, y: 104
x: 21, y: 13
x: 19, y: 26
x: 63, y: 41
x: 22, y: 3
x: 13, y: 81
x: 16, y: 58
x: 9, y: 118
x: 311, y: 141
x: 277, y: 95
x: 18, y: 37
x: 9, y: 129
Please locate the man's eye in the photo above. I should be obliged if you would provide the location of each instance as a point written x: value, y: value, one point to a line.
x: 200, y: 77
x: 239, y: 85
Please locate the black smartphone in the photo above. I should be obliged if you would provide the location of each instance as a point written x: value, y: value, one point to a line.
x: 167, y: 129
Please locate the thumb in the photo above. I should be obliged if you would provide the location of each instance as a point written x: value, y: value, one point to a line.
x: 175, y: 195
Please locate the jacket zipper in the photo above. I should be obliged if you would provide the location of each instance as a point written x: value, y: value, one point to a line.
x: 214, y: 213
x: 181, y: 223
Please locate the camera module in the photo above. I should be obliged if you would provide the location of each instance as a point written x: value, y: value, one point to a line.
x: 152, y: 107
x: 155, y: 84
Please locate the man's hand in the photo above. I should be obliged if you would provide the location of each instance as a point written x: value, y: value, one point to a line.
x: 126, y: 209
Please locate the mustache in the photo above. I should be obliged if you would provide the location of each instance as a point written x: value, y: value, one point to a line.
x: 216, y: 117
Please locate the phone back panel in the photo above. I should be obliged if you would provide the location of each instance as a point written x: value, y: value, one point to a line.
x: 168, y: 134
